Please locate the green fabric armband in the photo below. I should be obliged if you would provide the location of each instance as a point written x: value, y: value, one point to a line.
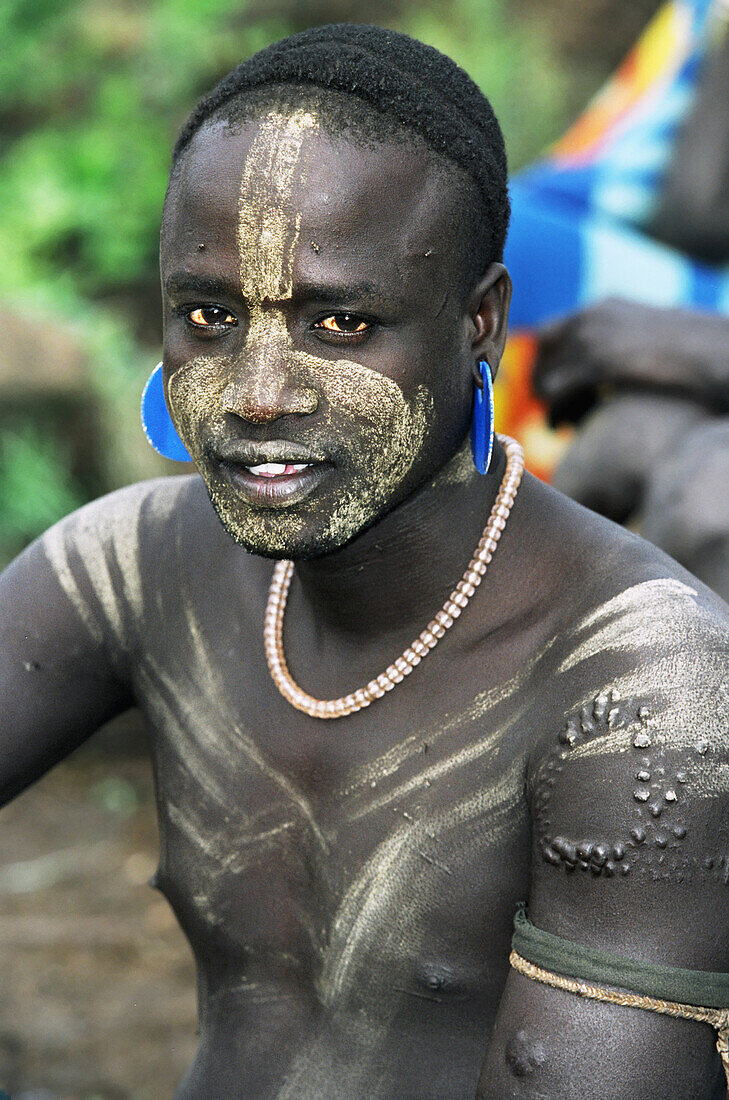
x: 702, y: 988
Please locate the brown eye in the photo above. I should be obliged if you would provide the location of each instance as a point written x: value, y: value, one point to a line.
x: 205, y: 316
x: 347, y: 324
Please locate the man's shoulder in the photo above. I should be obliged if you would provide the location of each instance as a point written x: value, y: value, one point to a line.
x: 601, y: 570
x: 127, y: 553
x: 636, y: 599
x: 659, y: 645
x: 630, y: 750
x: 134, y: 520
x: 631, y: 627
x: 154, y: 501
x: 637, y: 603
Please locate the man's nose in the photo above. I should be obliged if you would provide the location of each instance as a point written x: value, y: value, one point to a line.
x: 264, y: 388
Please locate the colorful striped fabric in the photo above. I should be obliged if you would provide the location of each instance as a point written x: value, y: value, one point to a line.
x: 577, y: 233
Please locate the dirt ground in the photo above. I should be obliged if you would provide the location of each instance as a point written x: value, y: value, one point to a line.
x: 96, y: 980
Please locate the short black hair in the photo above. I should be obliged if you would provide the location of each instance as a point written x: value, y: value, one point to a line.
x: 403, y: 82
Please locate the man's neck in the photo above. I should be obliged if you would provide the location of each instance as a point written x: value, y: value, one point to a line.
x: 391, y: 579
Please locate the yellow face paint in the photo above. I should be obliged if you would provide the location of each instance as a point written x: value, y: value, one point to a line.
x: 364, y: 424
x: 268, y: 227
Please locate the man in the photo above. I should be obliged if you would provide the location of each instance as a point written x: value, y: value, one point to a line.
x: 630, y: 204
x: 618, y: 366
x: 619, y: 370
x: 330, y: 257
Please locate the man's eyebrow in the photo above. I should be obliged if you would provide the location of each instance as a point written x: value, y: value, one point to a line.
x: 349, y: 294
x: 188, y: 281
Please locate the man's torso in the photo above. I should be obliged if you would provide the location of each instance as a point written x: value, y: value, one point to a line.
x: 347, y: 887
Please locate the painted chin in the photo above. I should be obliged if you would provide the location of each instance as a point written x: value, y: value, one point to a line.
x: 275, y: 490
x: 359, y: 467
x: 299, y: 514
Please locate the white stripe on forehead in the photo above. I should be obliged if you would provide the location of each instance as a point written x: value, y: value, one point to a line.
x: 268, y: 229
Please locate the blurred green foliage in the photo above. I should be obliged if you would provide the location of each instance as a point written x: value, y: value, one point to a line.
x: 92, y: 93
x: 35, y: 484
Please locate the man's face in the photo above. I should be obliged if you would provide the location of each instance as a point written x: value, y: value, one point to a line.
x: 317, y: 350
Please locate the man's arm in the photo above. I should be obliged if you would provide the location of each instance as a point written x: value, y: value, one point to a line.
x: 625, y: 372
x: 64, y: 636
x: 618, y: 346
x: 630, y: 809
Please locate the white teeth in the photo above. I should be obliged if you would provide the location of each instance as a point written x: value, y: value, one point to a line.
x: 275, y: 469
x: 268, y: 469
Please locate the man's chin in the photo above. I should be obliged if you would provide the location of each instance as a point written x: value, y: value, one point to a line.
x: 276, y: 535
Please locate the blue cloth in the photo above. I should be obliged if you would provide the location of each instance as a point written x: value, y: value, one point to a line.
x: 577, y: 231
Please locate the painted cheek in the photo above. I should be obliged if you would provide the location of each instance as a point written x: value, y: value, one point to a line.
x: 386, y: 434
x: 194, y: 394
x: 390, y: 428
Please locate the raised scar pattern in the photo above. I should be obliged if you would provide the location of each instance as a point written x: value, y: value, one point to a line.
x: 607, y: 718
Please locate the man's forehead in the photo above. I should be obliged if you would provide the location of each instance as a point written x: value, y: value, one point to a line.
x: 384, y: 193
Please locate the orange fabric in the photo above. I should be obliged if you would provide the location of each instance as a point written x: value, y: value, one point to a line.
x: 645, y: 74
x: 651, y: 64
x: 520, y: 413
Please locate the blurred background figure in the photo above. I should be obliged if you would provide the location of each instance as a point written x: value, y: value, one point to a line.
x: 626, y: 223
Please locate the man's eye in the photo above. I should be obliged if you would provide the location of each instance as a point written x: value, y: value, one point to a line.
x: 346, y: 324
x: 204, y: 316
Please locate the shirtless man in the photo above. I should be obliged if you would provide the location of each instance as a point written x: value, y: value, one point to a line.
x: 348, y: 886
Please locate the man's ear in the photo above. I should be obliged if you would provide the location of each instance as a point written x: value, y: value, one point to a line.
x: 488, y: 308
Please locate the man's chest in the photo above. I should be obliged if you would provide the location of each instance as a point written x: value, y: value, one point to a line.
x: 386, y: 848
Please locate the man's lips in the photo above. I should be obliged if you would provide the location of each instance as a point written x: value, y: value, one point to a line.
x: 280, y: 451
x: 269, y: 477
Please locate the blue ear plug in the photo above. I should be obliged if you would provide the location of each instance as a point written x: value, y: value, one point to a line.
x: 156, y: 420
x: 482, y: 422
